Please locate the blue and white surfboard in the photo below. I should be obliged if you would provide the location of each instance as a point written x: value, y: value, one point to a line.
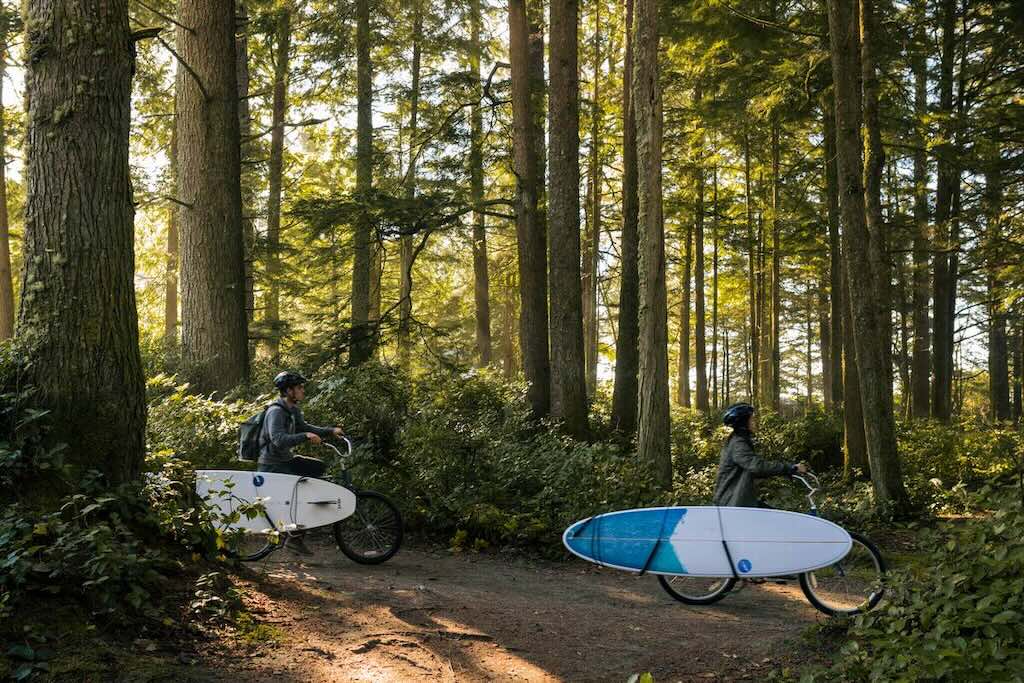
x: 708, y: 541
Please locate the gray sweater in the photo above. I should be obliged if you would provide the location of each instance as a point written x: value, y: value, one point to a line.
x: 738, y: 468
x: 283, y: 429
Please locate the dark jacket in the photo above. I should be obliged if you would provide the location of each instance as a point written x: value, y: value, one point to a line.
x: 283, y: 430
x: 737, y: 469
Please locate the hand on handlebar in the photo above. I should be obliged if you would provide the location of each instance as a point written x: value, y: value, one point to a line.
x: 801, y: 468
x: 313, y: 437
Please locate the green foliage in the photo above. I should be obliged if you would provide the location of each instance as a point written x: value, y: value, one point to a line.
x: 958, y: 616
x: 196, y: 429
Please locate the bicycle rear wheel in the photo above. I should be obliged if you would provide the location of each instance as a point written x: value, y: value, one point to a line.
x: 373, y: 534
x: 697, y: 590
x: 249, y: 546
x: 854, y: 584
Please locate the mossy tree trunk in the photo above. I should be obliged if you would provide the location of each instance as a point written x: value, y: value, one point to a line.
x: 78, y: 317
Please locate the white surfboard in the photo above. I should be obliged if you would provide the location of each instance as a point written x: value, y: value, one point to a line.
x: 290, y: 502
x: 709, y: 541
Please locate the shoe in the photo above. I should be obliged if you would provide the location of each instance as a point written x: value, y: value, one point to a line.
x: 297, y: 545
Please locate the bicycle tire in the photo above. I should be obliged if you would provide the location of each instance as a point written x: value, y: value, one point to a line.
x: 264, y: 545
x: 810, y: 582
x: 378, y: 522
x: 721, y: 588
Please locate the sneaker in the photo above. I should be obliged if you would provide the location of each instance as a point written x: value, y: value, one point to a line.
x: 297, y: 545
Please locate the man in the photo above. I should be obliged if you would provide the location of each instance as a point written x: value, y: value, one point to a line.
x: 739, y: 466
x: 283, y: 429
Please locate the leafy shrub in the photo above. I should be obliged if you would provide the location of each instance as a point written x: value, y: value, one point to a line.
x: 197, y: 429
x: 959, y: 616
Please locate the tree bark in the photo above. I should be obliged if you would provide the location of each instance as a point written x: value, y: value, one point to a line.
x: 835, y: 272
x: 998, y: 351
x: 683, y: 380
x: 481, y: 281
x: 876, y: 397
x: 525, y: 42
x: 700, y: 328
x: 568, y: 375
x: 364, y: 333
x: 275, y: 170
x: 6, y: 274
x: 755, y: 330
x: 627, y: 359
x: 406, y: 248
x: 653, y: 441
x: 715, y: 400
x: 1018, y: 371
x: 593, y: 238
x: 171, y: 254
x: 78, y: 319
x: 775, y: 332
x: 214, y: 335
x: 948, y: 180
x: 874, y: 165
x: 920, y: 364
x: 245, y: 143
x: 854, y: 439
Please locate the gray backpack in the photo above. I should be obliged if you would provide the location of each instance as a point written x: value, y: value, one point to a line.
x: 250, y: 433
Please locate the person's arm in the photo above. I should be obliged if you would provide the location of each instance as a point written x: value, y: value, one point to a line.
x: 744, y: 456
x: 302, y: 426
x: 277, y: 429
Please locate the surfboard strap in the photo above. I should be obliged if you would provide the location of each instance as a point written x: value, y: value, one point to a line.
x: 657, y: 543
x: 728, y: 555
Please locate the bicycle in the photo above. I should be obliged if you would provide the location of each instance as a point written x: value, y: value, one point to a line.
x: 852, y: 585
x: 371, y: 535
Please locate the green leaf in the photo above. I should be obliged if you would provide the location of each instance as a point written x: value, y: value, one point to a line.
x: 1006, y: 616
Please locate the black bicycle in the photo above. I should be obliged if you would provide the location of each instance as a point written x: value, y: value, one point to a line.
x: 852, y: 585
x: 371, y: 535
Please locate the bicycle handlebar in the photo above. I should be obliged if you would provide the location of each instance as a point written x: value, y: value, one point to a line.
x: 348, y: 444
x: 811, y: 488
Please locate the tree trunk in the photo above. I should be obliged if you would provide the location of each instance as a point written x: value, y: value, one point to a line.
x: 920, y: 364
x: 825, y: 336
x: 700, y: 335
x: 998, y: 351
x: 755, y: 330
x: 568, y: 375
x: 874, y: 164
x: 363, y: 337
x: 855, y: 442
x: 481, y: 281
x: 775, y: 332
x: 245, y: 138
x: 809, y: 330
x: 653, y: 440
x: 171, y: 254
x: 683, y: 381
x: 1018, y: 370
x: 525, y: 41
x: 627, y: 359
x: 835, y: 270
x: 948, y: 180
x: 715, y: 400
x: 274, y: 173
x: 593, y: 238
x: 6, y: 274
x: 78, y: 318
x: 214, y: 336
x: 876, y: 397
x: 405, y: 287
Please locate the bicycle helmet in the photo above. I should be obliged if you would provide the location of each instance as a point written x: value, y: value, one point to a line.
x: 737, y: 415
x: 287, y: 379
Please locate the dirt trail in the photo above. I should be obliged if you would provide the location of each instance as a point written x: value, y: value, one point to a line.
x: 428, y: 616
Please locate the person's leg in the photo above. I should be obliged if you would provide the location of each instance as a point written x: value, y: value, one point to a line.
x: 306, y: 467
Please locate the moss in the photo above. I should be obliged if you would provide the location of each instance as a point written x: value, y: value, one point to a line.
x: 251, y: 632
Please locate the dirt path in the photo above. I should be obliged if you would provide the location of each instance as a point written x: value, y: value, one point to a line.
x: 427, y: 616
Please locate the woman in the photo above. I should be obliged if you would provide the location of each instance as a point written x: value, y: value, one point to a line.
x: 739, y: 466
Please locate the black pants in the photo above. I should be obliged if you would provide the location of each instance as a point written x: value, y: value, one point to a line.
x: 299, y: 465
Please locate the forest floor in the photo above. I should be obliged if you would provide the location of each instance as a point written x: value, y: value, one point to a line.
x: 436, y: 616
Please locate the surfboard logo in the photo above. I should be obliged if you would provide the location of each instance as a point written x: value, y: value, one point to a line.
x: 744, y: 566
x: 257, y: 480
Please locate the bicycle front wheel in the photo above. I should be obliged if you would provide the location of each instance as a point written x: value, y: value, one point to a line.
x: 697, y: 590
x: 373, y: 534
x: 852, y: 585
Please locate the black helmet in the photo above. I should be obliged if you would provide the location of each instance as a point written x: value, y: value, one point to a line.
x: 288, y: 379
x: 737, y: 415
